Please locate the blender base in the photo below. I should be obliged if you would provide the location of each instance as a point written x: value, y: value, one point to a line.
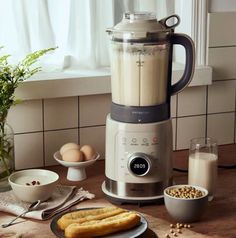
x: 131, y: 200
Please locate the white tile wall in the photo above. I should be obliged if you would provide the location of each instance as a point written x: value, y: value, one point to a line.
x: 60, y: 113
x: 221, y: 127
x: 173, y: 105
x: 221, y: 97
x: 192, y: 101
x: 219, y: 34
x: 29, y: 150
x: 220, y: 6
x: 223, y: 62
x: 94, y: 109
x: 94, y: 136
x: 188, y: 128
x: 26, y: 117
x: 53, y: 140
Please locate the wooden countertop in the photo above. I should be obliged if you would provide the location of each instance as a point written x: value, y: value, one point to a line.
x: 218, y: 221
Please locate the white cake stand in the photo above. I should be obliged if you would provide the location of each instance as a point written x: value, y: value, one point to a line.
x: 76, y: 170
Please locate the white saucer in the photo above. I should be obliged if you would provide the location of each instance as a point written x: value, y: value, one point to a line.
x: 76, y: 170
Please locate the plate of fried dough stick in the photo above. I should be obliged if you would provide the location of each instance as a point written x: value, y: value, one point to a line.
x: 109, y: 222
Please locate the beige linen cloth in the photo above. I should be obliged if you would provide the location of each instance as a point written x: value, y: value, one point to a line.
x: 62, y: 198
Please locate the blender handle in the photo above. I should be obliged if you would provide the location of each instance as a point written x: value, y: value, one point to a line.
x: 188, y: 44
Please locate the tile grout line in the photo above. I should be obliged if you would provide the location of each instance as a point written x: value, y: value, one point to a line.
x: 44, y: 162
x: 92, y: 126
x: 212, y: 113
x: 223, y: 80
x: 221, y: 46
x: 63, y: 129
x: 78, y: 121
x: 206, y: 125
x: 52, y: 130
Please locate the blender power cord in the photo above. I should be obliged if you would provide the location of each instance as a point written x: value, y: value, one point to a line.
x: 223, y: 166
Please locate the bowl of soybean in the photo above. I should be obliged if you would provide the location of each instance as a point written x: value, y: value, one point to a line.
x: 186, y: 203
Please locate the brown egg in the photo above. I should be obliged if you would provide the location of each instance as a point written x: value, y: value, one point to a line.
x: 69, y: 146
x: 89, y: 152
x: 73, y: 155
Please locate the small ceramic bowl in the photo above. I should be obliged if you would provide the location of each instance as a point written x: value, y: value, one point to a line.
x: 186, y: 209
x: 76, y: 170
x: 33, y: 184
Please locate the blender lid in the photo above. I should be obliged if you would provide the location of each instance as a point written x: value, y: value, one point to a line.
x: 142, y: 24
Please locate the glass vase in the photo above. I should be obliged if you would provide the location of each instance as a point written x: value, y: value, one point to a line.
x: 7, y: 164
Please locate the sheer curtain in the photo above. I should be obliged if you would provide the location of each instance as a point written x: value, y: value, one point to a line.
x: 77, y: 27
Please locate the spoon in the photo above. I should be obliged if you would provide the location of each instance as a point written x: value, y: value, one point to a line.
x: 32, y: 207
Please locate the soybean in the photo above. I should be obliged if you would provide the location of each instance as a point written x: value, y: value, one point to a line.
x: 185, y: 192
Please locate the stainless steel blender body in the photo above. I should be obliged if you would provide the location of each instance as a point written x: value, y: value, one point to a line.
x: 139, y: 130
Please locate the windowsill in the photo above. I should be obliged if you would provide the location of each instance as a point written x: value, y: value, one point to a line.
x: 90, y: 82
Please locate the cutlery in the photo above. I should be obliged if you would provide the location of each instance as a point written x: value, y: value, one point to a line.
x: 32, y: 207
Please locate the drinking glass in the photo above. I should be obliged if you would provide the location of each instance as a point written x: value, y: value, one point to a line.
x: 202, y: 169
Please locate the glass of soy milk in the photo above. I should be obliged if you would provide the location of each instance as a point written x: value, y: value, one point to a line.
x: 202, y: 168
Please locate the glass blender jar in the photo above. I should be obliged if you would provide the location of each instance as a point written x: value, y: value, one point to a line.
x: 141, y: 60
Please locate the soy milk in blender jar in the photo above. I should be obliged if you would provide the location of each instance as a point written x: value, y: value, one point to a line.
x: 153, y: 74
x: 203, y: 171
x: 125, y: 75
x: 139, y: 74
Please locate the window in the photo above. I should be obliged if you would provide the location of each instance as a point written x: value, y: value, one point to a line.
x: 77, y: 27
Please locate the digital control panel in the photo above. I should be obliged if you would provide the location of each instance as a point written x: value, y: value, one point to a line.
x: 139, y: 164
x: 137, y: 154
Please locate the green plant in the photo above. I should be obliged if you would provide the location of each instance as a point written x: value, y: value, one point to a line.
x: 10, y: 78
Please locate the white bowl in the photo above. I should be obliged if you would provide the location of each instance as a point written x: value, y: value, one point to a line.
x: 31, y: 193
x: 76, y: 170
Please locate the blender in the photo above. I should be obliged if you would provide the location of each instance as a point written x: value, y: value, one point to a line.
x: 138, y: 163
